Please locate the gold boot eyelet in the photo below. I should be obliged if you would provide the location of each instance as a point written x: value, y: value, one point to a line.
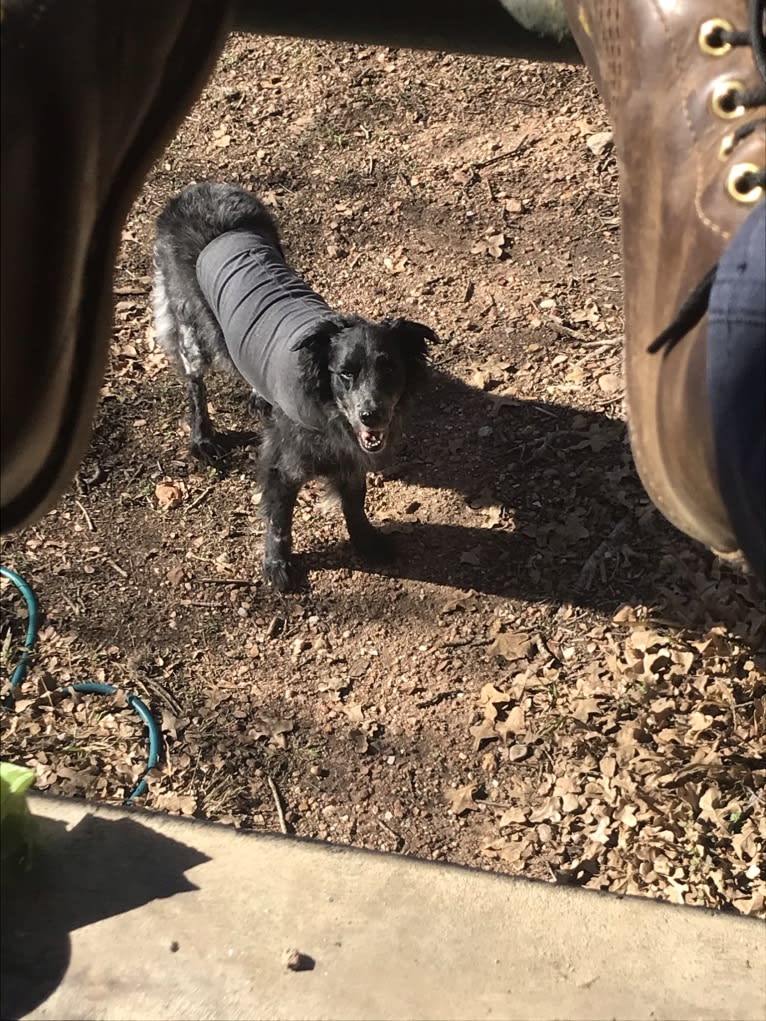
x: 709, y: 37
x: 723, y: 102
x: 738, y: 187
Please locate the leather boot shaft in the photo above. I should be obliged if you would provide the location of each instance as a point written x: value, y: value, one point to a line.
x: 687, y: 146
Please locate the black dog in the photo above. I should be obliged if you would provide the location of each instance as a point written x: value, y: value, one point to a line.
x: 331, y: 387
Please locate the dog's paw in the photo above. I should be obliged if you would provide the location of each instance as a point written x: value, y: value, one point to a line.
x: 208, y: 450
x: 278, y: 574
x: 375, y: 546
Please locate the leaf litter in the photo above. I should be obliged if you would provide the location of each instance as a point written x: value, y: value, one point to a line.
x: 550, y: 682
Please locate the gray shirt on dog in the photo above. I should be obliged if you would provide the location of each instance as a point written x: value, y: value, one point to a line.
x: 264, y: 310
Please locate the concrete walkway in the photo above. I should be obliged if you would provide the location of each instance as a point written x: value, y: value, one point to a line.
x: 142, y: 916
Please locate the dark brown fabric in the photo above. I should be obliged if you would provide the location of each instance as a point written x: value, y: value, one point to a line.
x: 91, y: 92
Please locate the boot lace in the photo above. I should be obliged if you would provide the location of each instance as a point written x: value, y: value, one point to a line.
x: 696, y: 305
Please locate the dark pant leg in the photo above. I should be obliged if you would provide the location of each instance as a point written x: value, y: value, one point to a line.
x: 737, y: 383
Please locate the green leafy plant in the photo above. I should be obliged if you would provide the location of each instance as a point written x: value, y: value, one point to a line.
x: 16, y: 824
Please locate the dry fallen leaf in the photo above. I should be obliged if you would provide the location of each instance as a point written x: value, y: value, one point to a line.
x: 185, y: 804
x: 514, y: 723
x: 512, y: 646
x: 584, y: 708
x: 168, y: 494
x: 512, y: 815
x: 609, y: 383
x: 490, y: 695
x: 460, y: 799
x: 176, y: 575
x: 624, y: 614
x: 496, y: 245
x: 484, y: 731
x: 354, y: 712
x: 493, y: 244
x: 272, y: 727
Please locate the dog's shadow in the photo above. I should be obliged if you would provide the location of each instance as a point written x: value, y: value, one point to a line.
x: 560, y: 513
x: 556, y: 509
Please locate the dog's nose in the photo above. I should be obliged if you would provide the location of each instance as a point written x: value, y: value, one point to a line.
x: 368, y: 416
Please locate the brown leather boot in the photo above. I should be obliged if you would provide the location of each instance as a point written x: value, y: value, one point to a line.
x: 682, y: 89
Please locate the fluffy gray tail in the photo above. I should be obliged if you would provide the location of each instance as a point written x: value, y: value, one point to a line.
x: 165, y: 325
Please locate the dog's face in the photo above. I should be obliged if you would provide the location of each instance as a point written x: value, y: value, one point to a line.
x: 372, y: 367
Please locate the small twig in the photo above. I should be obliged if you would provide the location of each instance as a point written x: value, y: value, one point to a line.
x: 130, y: 290
x: 198, y: 499
x: 116, y: 567
x: 456, y: 643
x: 202, y: 560
x: 278, y: 804
x: 88, y: 522
x: 154, y: 687
x: 205, y: 604
x: 503, y: 155
x: 612, y: 342
x: 244, y: 582
x: 75, y: 609
x: 566, y: 330
x: 543, y: 410
x: 397, y: 836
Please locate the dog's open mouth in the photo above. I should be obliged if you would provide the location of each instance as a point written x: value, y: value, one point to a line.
x: 371, y: 440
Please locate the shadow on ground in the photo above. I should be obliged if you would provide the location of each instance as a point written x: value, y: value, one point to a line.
x: 62, y: 892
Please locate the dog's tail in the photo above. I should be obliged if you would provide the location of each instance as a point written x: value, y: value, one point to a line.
x: 201, y: 212
x: 165, y: 324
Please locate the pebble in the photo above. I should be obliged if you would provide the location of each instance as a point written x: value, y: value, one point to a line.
x: 276, y: 627
x: 294, y: 960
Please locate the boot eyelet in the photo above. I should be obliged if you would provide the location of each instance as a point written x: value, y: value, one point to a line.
x: 724, y: 101
x: 726, y: 148
x: 738, y: 185
x: 709, y: 38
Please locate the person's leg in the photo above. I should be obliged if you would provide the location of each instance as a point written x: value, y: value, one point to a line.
x: 91, y: 93
x: 686, y: 98
x: 736, y: 370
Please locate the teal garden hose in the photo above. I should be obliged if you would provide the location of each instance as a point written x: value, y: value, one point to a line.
x: 85, y: 687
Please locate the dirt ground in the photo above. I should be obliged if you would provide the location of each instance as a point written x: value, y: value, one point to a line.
x: 550, y: 681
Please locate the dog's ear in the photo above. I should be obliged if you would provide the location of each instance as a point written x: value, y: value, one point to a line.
x: 314, y: 355
x: 413, y: 337
x: 319, y: 339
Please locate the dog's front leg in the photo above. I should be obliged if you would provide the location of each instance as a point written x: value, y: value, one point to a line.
x: 277, y: 505
x: 368, y: 541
